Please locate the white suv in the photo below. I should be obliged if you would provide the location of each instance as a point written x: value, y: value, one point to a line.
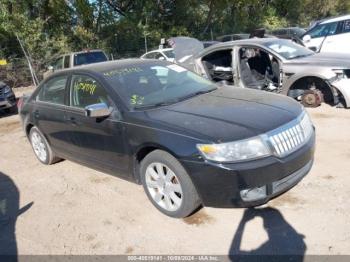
x: 329, y: 35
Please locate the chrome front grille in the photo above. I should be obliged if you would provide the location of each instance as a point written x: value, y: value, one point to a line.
x: 290, y: 137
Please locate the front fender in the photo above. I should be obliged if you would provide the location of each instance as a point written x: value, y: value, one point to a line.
x: 343, y: 86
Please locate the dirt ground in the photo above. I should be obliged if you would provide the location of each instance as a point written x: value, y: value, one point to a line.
x: 71, y: 209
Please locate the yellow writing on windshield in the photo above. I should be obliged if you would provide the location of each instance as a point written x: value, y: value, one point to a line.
x: 136, y: 100
x: 86, y: 87
x: 123, y: 71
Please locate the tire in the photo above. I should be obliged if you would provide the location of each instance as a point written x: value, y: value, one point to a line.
x: 41, y: 147
x: 170, y: 190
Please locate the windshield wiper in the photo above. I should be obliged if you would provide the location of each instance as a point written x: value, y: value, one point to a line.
x: 196, y: 94
x: 300, y: 56
x: 166, y: 103
x: 173, y: 101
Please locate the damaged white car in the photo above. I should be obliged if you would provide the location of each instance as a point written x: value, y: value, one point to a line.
x: 274, y: 65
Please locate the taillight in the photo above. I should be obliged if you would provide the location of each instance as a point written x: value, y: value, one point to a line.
x: 20, y: 103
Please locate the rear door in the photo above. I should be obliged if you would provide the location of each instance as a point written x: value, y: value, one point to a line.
x: 95, y: 141
x: 49, y: 112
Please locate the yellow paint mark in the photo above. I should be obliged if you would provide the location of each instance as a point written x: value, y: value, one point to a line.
x: 86, y: 87
x: 3, y: 62
x: 136, y: 100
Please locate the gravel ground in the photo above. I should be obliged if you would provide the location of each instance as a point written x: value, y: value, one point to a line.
x: 71, y: 209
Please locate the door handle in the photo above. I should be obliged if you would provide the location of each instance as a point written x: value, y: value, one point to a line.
x: 71, y: 120
x: 36, y: 114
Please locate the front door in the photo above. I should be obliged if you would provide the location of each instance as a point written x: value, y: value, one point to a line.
x: 96, y: 141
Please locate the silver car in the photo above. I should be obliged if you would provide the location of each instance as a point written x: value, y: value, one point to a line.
x: 274, y: 65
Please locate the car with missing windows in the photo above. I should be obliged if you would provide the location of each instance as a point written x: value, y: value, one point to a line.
x: 270, y: 64
x: 7, y: 98
x: 188, y: 141
x: 74, y: 59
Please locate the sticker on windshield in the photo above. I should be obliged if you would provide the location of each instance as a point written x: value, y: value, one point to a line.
x: 177, y: 68
x: 122, y: 71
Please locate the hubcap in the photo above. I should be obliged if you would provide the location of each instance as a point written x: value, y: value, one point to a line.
x: 163, y: 186
x: 39, y: 146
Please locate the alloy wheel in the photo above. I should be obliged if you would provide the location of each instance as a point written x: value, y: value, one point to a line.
x: 39, y: 146
x: 164, y: 187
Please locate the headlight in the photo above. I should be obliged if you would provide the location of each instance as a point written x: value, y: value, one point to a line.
x: 7, y: 89
x: 241, y: 150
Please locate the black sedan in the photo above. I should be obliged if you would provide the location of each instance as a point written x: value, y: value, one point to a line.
x: 188, y: 141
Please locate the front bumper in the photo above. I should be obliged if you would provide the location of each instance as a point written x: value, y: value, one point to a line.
x: 343, y: 86
x: 220, y: 185
x: 7, y: 101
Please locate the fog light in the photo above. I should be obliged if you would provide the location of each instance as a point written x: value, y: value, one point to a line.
x: 252, y: 194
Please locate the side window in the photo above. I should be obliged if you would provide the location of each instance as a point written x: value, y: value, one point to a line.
x: 66, y: 61
x: 53, y: 91
x: 150, y: 55
x: 346, y: 26
x: 324, y: 30
x: 159, y: 56
x: 58, y: 64
x: 85, y: 91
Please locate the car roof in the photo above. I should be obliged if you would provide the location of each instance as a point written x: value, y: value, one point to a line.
x: 110, y: 65
x: 245, y: 42
x: 334, y: 19
x: 158, y: 50
x: 80, y: 52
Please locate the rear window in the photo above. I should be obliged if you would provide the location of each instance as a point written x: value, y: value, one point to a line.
x: 89, y: 58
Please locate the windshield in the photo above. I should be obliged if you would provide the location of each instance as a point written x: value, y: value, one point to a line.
x: 288, y: 49
x: 89, y: 58
x: 299, y: 32
x: 156, y: 84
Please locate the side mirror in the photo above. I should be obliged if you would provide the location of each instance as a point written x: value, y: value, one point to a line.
x: 313, y: 48
x: 306, y: 38
x: 161, y: 58
x: 98, y: 110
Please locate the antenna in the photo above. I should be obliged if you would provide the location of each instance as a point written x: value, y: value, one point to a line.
x: 32, y: 72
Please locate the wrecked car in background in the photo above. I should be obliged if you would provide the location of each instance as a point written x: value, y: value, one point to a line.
x: 274, y: 65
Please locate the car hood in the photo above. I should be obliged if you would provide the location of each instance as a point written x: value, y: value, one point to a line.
x: 227, y: 114
x: 336, y: 61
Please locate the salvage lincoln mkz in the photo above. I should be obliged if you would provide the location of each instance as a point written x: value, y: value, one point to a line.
x: 188, y: 141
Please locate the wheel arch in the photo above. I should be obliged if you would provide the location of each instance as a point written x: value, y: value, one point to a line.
x: 141, y: 152
x: 321, y: 83
x: 28, y: 127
